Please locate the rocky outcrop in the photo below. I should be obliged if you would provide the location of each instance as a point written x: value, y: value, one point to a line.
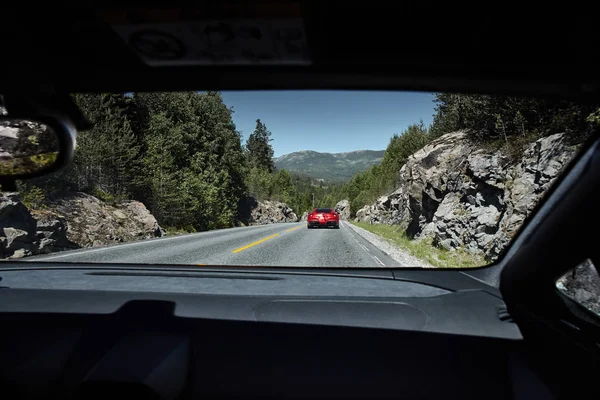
x: 343, y: 208
x: 464, y: 196
x: 254, y: 212
x: 91, y: 222
x: 23, y: 233
x: 79, y: 220
x: 304, y: 216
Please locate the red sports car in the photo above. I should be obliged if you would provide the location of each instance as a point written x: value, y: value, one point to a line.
x: 323, y: 217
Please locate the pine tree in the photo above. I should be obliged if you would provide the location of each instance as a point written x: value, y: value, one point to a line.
x: 260, y: 152
x: 519, y: 122
x: 106, y: 156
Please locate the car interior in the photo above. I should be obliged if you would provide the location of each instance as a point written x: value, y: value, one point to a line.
x: 498, y: 332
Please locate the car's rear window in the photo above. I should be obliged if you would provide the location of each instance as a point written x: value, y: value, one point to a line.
x: 323, y: 210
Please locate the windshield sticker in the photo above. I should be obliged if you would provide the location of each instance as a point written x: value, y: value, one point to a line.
x: 221, y: 42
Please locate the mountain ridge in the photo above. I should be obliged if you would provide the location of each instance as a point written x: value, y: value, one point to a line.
x: 329, y: 166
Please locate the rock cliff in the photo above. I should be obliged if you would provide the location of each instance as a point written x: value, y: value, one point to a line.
x: 464, y: 196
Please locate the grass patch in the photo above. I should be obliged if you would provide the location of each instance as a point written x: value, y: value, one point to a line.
x: 424, y: 249
x: 107, y: 197
x: 173, y: 231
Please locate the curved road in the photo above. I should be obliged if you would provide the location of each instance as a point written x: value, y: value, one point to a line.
x: 287, y: 244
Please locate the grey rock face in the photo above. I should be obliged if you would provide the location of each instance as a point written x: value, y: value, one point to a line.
x: 463, y: 196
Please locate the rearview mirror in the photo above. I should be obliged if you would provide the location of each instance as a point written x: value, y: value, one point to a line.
x: 33, y: 147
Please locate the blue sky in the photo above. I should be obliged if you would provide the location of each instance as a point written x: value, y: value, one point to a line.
x: 329, y: 121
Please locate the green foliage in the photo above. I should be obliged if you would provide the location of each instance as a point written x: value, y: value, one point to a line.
x: 27, y: 164
x: 276, y: 186
x: 401, y: 147
x: 489, y: 118
x: 173, y: 231
x: 193, y: 159
x: 594, y: 118
x: 260, y: 183
x: 362, y: 199
x: 32, y: 196
x: 106, y: 155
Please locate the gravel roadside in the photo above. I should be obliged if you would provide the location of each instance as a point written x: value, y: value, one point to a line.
x: 393, y: 251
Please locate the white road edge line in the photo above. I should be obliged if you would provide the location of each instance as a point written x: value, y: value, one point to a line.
x: 365, y: 248
x: 104, y: 248
x: 379, y: 261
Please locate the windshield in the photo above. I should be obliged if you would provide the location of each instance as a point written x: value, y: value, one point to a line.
x: 430, y: 180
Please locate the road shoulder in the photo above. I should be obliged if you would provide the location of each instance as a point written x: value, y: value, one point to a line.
x: 391, y: 250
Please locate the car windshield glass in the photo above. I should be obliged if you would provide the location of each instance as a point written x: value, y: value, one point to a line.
x: 426, y: 180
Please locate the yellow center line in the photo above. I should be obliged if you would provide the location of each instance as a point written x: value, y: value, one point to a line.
x: 294, y: 228
x: 255, y: 243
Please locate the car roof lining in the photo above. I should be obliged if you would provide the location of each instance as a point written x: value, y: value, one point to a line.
x: 384, y: 46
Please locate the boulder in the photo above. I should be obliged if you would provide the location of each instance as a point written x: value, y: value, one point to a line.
x: 91, y: 222
x: 254, y: 212
x: 343, y: 208
x: 147, y: 226
x: 364, y: 214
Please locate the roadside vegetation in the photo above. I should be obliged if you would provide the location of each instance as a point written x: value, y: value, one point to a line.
x: 424, y: 249
x: 172, y: 231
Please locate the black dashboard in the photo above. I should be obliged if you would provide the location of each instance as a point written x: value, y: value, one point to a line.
x: 258, y: 333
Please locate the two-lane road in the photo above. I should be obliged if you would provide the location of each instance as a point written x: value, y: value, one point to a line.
x: 289, y: 244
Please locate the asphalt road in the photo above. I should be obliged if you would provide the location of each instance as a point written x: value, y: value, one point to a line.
x: 288, y: 244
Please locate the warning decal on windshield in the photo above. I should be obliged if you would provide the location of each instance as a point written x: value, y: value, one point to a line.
x: 218, y: 42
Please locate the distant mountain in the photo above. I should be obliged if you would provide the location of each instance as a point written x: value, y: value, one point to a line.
x: 329, y: 166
